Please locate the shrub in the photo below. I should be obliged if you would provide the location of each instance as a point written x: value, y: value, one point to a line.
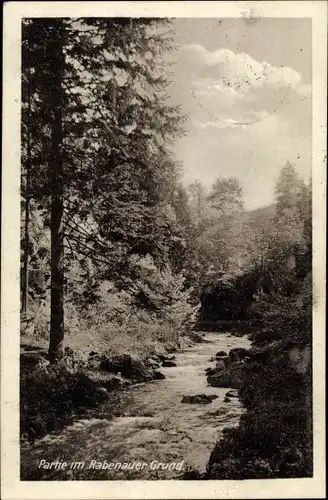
x: 51, y: 395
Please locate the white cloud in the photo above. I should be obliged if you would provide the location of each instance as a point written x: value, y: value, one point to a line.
x: 215, y: 123
x: 227, y: 89
x: 250, y: 118
x: 239, y: 71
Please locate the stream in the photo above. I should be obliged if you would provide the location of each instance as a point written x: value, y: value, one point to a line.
x: 154, y: 428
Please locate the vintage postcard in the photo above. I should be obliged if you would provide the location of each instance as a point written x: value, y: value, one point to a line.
x: 163, y: 250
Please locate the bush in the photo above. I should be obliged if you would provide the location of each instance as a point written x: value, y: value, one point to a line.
x: 50, y: 397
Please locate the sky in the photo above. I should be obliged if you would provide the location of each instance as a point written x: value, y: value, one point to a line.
x: 246, y: 90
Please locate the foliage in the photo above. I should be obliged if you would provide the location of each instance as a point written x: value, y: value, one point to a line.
x: 268, y: 252
x: 115, y: 125
x: 52, y: 396
x: 121, y: 195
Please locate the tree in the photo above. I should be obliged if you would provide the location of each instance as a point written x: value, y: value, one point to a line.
x: 26, y: 197
x: 257, y: 241
x: 292, y: 206
x: 56, y: 175
x: 100, y: 127
x: 287, y: 188
x: 225, y: 231
x: 226, y: 196
x: 52, y: 75
x: 304, y: 205
x: 199, y: 206
x: 281, y: 243
x: 217, y: 243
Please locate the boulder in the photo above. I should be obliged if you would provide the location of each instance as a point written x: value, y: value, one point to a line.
x: 268, y: 349
x: 169, y: 358
x: 210, y: 371
x: 160, y: 353
x: 220, y: 365
x: 198, y: 339
x: 221, y: 353
x: 111, y: 365
x: 233, y: 393
x: 128, y: 366
x: 137, y: 370
x: 231, y: 377
x: 212, y: 396
x: 155, y: 358
x: 226, y: 359
x: 152, y: 363
x: 113, y: 383
x: 32, y: 359
x: 239, y: 354
x: 199, y: 399
x: 157, y: 375
x: 226, y: 400
x: 171, y: 347
x: 168, y: 363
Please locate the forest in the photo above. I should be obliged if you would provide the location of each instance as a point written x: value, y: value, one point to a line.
x: 120, y: 259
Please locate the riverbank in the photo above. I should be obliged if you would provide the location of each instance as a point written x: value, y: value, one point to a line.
x: 274, y: 438
x: 148, y: 422
x: 52, y: 396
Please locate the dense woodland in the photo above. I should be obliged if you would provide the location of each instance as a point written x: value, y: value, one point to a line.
x: 119, y: 256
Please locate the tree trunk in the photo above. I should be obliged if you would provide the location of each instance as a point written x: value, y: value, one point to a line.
x: 57, y: 200
x: 25, y: 277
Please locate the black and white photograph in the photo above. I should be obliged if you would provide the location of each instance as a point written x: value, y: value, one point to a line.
x: 167, y: 293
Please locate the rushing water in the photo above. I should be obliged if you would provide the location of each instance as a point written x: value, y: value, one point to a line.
x: 153, y: 426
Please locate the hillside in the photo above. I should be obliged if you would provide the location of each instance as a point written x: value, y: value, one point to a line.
x: 261, y: 213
